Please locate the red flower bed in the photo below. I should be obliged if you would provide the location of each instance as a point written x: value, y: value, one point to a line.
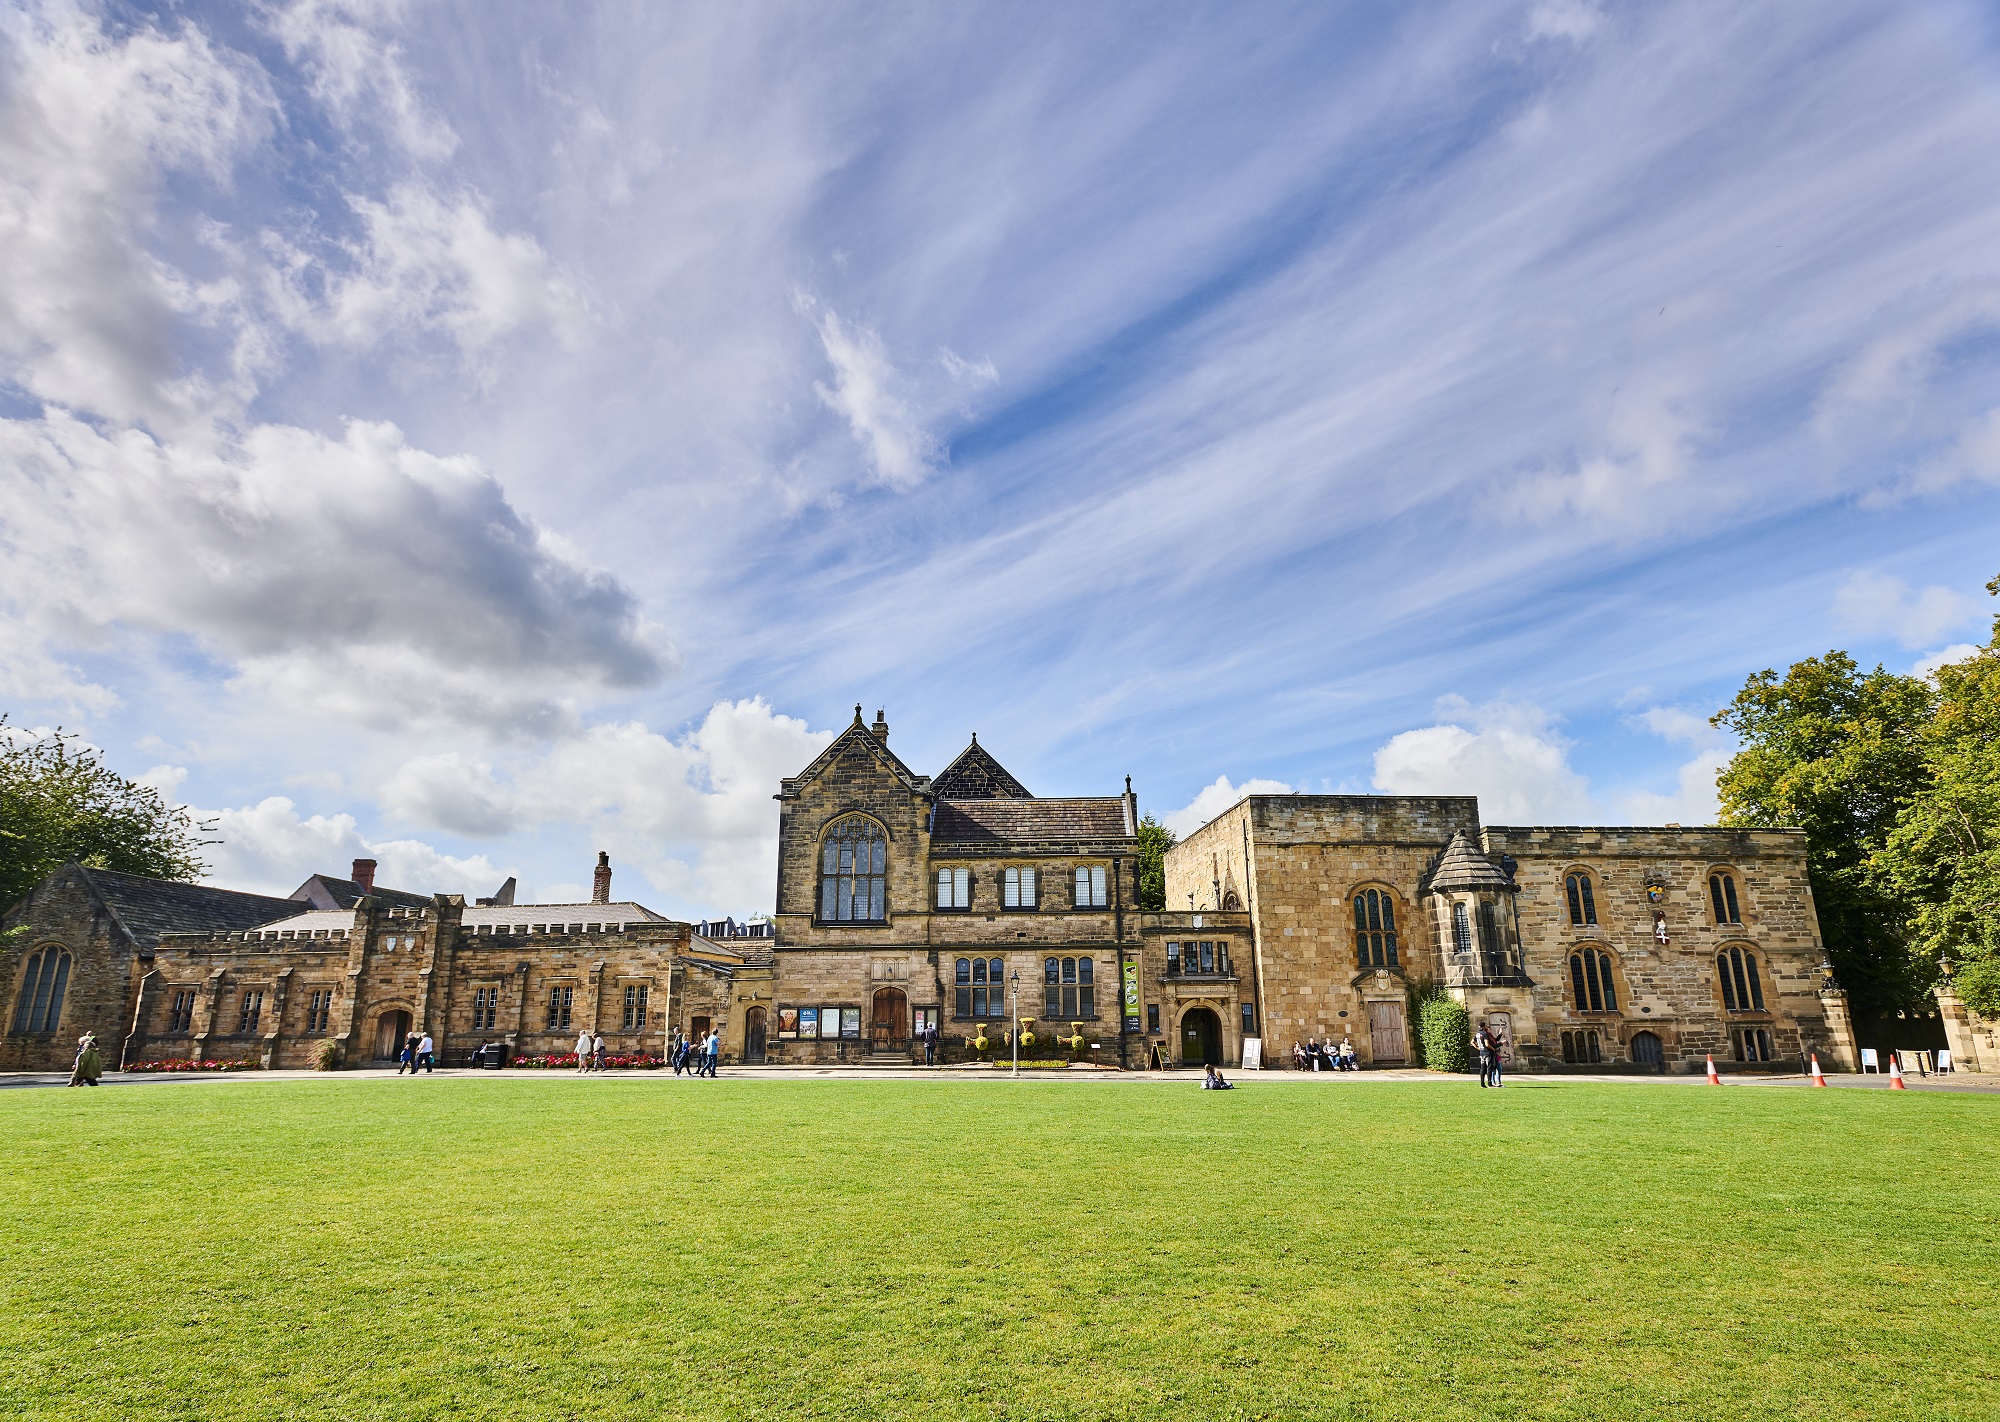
x: 561, y: 1060
x: 189, y: 1064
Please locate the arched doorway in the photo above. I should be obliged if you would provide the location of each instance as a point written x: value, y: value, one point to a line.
x: 1646, y: 1049
x: 1201, y: 1037
x: 889, y: 1025
x: 390, y: 1030
x: 753, y: 1035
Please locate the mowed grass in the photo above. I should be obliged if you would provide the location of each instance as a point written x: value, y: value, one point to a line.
x: 524, y: 1247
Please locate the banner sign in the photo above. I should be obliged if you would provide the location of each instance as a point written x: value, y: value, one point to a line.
x: 1131, y: 994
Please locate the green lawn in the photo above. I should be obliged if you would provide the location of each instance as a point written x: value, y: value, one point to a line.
x: 527, y: 1247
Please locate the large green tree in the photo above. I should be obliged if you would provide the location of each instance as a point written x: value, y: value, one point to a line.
x: 1840, y: 753
x: 59, y: 801
x: 1155, y: 839
x: 1944, y: 854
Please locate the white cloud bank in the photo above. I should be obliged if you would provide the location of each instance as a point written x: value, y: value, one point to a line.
x: 1875, y: 604
x: 1509, y: 754
x: 1214, y: 799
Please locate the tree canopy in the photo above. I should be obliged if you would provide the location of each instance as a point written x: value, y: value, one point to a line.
x: 1155, y: 839
x: 60, y: 802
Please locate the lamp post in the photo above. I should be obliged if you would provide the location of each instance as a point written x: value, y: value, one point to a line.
x: 1016, y: 982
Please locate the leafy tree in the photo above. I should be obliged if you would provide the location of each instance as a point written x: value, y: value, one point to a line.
x: 1840, y: 753
x: 59, y: 801
x: 1944, y: 854
x: 1155, y: 839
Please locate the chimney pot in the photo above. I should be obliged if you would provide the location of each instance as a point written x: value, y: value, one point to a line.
x: 600, y: 888
x: 364, y: 873
x: 881, y: 726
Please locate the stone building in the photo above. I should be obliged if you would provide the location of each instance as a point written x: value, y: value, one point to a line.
x: 1583, y: 947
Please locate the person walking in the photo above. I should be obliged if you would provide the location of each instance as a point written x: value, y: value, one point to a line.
x: 426, y: 1053
x: 680, y: 1050
x: 583, y: 1050
x: 1497, y: 1040
x: 713, y: 1053
x: 597, y: 1050
x: 406, y: 1060
x: 89, y: 1064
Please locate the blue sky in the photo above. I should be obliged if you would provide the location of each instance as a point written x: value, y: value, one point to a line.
x: 479, y: 435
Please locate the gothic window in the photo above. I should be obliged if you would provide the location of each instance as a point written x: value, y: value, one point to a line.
x: 1230, y: 903
x: 180, y: 1015
x: 854, y: 863
x: 1741, y: 991
x: 1461, y: 929
x: 1582, y: 904
x: 1090, y: 886
x: 560, y: 1001
x: 635, y: 1007
x: 248, y: 1011
x: 39, y: 1007
x: 1582, y: 1048
x: 1375, y: 929
x: 1722, y: 897
x: 954, y: 888
x: 1590, y: 978
x: 1017, y: 888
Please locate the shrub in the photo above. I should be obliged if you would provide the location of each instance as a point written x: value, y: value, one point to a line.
x: 1446, y: 1031
x: 1421, y: 991
x: 325, y: 1054
x: 561, y: 1061
x: 190, y: 1064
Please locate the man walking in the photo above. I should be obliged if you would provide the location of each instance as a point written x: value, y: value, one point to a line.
x: 712, y: 1051
x: 406, y: 1060
x: 583, y: 1050
x: 426, y: 1053
x: 89, y: 1061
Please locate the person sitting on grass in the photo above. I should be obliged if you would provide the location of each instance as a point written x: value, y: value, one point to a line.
x: 1212, y: 1080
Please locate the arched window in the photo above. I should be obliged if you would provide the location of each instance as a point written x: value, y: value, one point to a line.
x: 1741, y: 991
x: 1583, y: 1048
x: 1590, y: 977
x: 1461, y: 929
x: 1230, y: 903
x: 1646, y: 1049
x: 1374, y: 929
x: 1582, y: 903
x: 852, y: 869
x: 1722, y: 896
x: 39, y: 1007
x: 981, y: 987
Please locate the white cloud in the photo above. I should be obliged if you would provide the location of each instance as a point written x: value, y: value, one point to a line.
x: 269, y: 848
x: 1509, y: 754
x: 1947, y: 656
x: 1644, y: 462
x: 867, y: 392
x: 452, y: 792
x: 1573, y: 20
x: 1214, y: 799
x: 89, y: 127
x: 1874, y: 603
x: 357, y: 577
x: 969, y: 372
x: 359, y: 73
x: 1973, y: 458
x: 1693, y: 799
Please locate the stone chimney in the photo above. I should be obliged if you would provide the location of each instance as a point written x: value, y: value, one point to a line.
x: 881, y: 727
x: 364, y: 874
x: 600, y: 884
x: 1131, y: 809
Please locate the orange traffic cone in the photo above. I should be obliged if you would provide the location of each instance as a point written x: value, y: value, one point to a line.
x: 1896, y: 1075
x: 1714, y: 1079
x: 1818, y: 1076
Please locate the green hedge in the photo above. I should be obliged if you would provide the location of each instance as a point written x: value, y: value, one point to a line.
x: 1446, y: 1030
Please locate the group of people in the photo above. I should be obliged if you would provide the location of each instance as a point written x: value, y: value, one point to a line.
x: 418, y: 1052
x: 1315, y: 1055
x: 1487, y: 1049
x: 590, y: 1051
x: 696, y: 1055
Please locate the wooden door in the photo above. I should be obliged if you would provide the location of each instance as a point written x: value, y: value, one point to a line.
x: 891, y: 1018
x: 1385, y: 1032
x: 753, y: 1035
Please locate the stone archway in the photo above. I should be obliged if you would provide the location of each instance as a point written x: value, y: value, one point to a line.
x: 1201, y: 1037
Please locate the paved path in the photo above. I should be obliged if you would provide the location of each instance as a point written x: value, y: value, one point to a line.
x: 1316, y: 1081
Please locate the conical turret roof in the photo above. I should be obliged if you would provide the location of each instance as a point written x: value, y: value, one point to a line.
x: 1464, y: 866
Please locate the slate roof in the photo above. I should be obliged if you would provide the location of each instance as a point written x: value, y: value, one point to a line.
x: 151, y: 907
x: 326, y: 892
x: 997, y: 821
x: 976, y: 775
x: 1463, y: 866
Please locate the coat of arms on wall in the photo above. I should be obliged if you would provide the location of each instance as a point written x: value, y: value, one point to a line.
x: 1656, y: 889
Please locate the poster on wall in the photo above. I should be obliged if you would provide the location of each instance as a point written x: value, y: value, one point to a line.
x: 788, y: 1022
x: 829, y: 1022
x: 1131, y: 994
x: 808, y: 1021
x: 850, y: 1022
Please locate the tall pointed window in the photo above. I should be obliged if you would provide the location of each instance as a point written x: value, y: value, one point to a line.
x: 1582, y: 903
x: 1741, y: 991
x: 1375, y: 929
x: 39, y: 1007
x: 853, y: 866
x: 1722, y: 896
x: 1590, y: 980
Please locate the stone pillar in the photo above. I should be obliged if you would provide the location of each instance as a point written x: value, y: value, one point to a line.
x: 1971, y: 1039
x: 1840, y: 1043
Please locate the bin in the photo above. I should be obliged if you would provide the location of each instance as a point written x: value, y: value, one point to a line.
x: 492, y: 1056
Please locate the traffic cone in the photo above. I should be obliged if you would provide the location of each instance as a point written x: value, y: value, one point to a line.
x: 1714, y: 1077
x: 1818, y: 1076
x: 1896, y: 1075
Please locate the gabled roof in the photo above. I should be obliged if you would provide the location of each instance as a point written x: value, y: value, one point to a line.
x: 148, y: 908
x: 976, y: 775
x: 324, y: 891
x: 858, y: 734
x: 1464, y: 866
x: 999, y: 821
